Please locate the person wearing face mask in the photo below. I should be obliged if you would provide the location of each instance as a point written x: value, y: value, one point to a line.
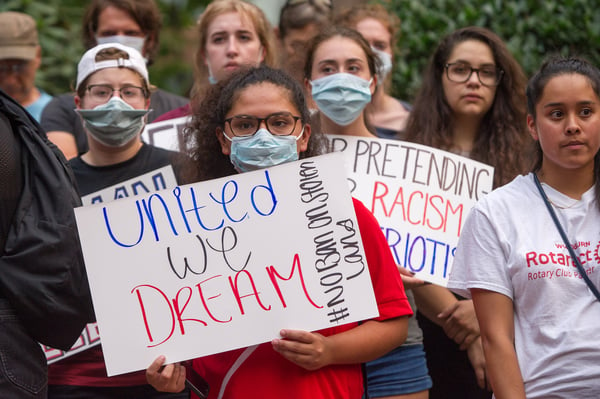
x: 341, y: 74
x: 231, y: 132
x: 231, y: 34
x: 387, y: 114
x: 134, y: 23
x: 113, y: 96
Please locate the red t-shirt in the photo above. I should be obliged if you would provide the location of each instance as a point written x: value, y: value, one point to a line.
x: 265, y: 374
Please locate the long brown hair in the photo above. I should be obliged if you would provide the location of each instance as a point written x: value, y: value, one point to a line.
x: 503, y: 139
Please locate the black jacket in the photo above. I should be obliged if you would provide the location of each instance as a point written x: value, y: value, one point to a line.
x: 42, y: 274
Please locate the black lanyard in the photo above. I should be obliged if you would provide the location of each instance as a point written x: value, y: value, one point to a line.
x: 565, y: 239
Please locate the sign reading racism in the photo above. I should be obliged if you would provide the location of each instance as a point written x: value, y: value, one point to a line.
x: 420, y: 196
x: 226, y: 263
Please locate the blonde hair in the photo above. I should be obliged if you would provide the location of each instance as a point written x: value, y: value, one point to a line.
x: 247, y: 11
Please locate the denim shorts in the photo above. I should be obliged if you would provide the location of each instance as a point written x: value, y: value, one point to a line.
x: 400, y: 372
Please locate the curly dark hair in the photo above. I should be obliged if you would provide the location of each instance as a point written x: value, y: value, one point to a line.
x: 503, y: 138
x: 201, y: 133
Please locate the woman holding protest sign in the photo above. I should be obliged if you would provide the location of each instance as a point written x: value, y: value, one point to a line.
x: 231, y: 34
x: 472, y: 103
x: 341, y: 75
x: 254, y: 120
x: 113, y: 96
x: 538, y: 318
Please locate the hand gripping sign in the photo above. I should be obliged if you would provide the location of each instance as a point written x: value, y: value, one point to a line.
x: 225, y: 264
x: 420, y: 196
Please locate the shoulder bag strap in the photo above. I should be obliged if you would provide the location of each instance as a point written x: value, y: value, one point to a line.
x: 565, y: 239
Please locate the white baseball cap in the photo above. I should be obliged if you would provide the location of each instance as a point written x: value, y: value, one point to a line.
x: 88, y: 64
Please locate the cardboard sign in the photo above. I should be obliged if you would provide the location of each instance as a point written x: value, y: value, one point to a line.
x: 225, y: 264
x: 166, y: 134
x: 155, y: 180
x: 420, y: 196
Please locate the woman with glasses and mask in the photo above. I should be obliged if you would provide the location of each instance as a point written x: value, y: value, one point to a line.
x: 472, y: 102
x: 258, y: 119
x: 113, y: 96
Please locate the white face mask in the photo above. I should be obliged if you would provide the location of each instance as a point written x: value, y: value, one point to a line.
x: 129, y: 41
x: 385, y: 66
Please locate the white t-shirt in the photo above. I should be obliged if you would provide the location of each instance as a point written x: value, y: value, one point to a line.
x: 510, y: 245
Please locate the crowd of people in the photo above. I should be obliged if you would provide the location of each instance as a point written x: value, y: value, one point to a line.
x: 516, y: 320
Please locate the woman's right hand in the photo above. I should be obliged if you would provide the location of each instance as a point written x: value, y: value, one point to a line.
x: 166, y: 378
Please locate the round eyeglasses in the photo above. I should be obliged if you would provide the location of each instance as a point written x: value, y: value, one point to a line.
x: 278, y: 124
x: 459, y: 72
x: 103, y: 93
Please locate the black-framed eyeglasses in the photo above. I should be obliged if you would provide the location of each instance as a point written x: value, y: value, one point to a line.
x: 102, y: 93
x: 459, y: 72
x: 16, y: 68
x: 278, y: 124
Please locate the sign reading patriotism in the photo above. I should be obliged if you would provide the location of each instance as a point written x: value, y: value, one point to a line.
x: 420, y: 196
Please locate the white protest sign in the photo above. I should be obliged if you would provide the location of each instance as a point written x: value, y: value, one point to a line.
x: 226, y: 263
x: 166, y: 134
x: 419, y: 195
x: 150, y: 182
x: 155, y: 180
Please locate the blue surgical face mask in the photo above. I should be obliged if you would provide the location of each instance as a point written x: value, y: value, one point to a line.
x: 129, y: 41
x: 385, y: 65
x: 114, y: 123
x: 262, y: 150
x: 341, y: 97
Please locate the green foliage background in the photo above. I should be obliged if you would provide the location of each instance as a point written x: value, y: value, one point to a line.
x: 59, y: 29
x: 532, y: 29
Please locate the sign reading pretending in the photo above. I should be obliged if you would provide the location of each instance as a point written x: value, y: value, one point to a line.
x: 224, y: 264
x: 420, y: 196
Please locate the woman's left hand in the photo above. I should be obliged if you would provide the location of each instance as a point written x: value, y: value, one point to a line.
x: 308, y: 350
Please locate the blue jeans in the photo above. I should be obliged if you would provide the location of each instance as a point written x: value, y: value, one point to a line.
x: 399, y: 372
x: 23, y: 369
